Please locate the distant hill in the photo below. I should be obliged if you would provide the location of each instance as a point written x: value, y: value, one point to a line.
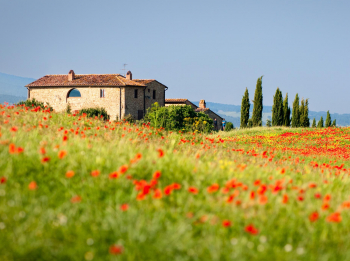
x: 232, y: 113
x: 12, y: 88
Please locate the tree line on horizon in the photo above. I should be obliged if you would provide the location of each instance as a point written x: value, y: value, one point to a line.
x: 281, y: 112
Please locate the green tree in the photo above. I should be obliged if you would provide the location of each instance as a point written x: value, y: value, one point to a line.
x: 313, y: 123
x: 268, y: 123
x: 245, y: 107
x: 306, y: 120
x: 320, y: 123
x: 286, y: 112
x: 229, y: 126
x: 334, y: 123
x: 258, y: 104
x: 250, y: 123
x: 277, y: 109
x: 295, y: 112
x: 304, y: 113
x: 328, y: 120
x: 301, y: 113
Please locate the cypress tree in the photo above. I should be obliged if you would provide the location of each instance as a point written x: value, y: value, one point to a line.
x: 295, y: 112
x: 286, y: 112
x: 258, y: 104
x: 320, y: 123
x: 313, y: 123
x: 277, y: 109
x: 328, y: 120
x: 334, y: 124
x: 306, y: 114
x: 245, y: 107
x: 301, y: 113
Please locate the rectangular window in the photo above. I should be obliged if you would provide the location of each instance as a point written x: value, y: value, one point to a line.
x: 154, y: 94
x: 102, y: 93
x: 149, y: 90
x: 28, y: 94
x: 135, y: 93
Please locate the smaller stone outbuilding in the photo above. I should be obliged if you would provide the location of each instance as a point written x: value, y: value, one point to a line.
x: 201, y: 108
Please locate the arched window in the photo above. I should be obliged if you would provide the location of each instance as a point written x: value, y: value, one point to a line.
x: 74, y: 93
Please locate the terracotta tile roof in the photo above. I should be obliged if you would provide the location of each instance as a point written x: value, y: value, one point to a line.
x: 144, y: 81
x: 175, y: 100
x: 84, y: 80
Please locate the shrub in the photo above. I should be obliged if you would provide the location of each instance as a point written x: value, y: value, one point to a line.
x: 93, y: 112
x: 229, y: 126
x: 35, y: 103
x: 182, y: 118
x: 129, y: 118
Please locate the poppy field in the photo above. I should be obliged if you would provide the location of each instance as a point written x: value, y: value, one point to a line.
x: 78, y: 188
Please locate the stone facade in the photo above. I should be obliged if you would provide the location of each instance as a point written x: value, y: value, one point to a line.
x: 119, y: 101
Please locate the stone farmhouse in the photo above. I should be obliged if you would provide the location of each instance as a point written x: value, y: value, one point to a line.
x: 201, y: 108
x: 119, y: 95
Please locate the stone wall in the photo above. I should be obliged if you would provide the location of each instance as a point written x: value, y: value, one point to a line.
x: 133, y: 105
x: 213, y: 116
x: 90, y: 97
x: 160, y: 94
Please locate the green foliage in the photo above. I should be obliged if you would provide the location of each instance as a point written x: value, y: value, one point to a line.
x: 35, y: 103
x: 229, y: 126
x: 68, y: 108
x: 296, y: 112
x: 245, y: 107
x: 250, y: 123
x: 277, y: 109
x: 182, y: 118
x: 334, y: 123
x: 268, y: 123
x: 313, y: 123
x: 320, y: 123
x: 129, y: 118
x: 101, y: 113
x: 286, y: 112
x: 258, y: 104
x: 301, y: 112
x: 306, y: 120
x: 328, y: 122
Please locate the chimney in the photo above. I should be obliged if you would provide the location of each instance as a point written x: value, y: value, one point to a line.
x: 202, y: 104
x: 129, y: 75
x: 71, y: 75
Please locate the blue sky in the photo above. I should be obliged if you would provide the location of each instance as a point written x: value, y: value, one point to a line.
x: 207, y: 50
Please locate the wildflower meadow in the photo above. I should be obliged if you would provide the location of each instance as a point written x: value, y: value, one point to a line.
x: 79, y: 188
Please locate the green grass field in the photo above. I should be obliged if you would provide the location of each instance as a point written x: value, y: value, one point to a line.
x: 74, y: 188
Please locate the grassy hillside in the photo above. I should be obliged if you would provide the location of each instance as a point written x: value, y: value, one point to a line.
x: 73, y: 188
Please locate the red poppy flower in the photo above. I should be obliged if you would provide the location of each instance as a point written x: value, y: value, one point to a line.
x: 70, y: 174
x: 75, y: 199
x: 314, y: 216
x: 3, y: 180
x: 213, y: 188
x: 45, y: 159
x: 113, y: 175
x: 335, y: 217
x: 157, y: 194
x: 285, y: 199
x: 160, y: 153
x: 95, y: 173
x: 157, y: 174
x: 62, y: 154
x: 32, y: 185
x: 251, y: 230
x: 123, y: 169
x: 115, y: 250
x: 318, y: 195
x: 193, y: 190
x: 226, y: 223
x: 124, y: 207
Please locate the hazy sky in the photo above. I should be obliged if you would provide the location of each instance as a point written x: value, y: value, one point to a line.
x: 200, y: 49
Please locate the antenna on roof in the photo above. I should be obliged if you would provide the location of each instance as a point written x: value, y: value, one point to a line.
x: 124, y: 68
